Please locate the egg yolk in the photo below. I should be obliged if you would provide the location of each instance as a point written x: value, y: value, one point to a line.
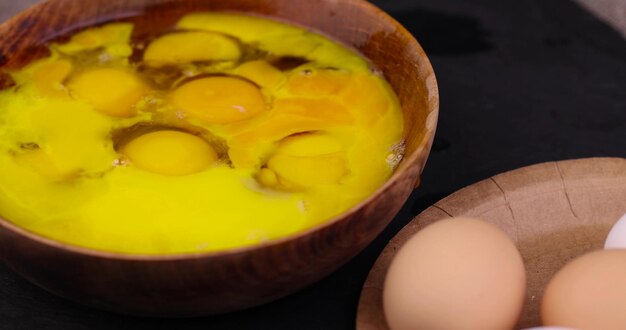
x: 187, y: 47
x: 112, y: 37
x: 306, y: 172
x: 261, y: 73
x: 307, y: 160
x: 49, y: 78
x: 170, y: 153
x: 113, y: 92
x: 219, y: 100
x: 308, y: 145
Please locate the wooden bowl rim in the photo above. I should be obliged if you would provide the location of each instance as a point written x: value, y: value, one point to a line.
x: 423, y: 148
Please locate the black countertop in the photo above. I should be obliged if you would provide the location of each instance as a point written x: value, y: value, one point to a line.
x: 521, y: 82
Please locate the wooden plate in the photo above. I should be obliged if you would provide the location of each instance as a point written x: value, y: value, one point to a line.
x: 554, y: 212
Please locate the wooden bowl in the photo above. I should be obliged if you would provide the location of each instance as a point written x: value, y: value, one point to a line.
x: 211, y: 283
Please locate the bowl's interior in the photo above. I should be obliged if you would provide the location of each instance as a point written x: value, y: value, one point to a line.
x: 355, y: 23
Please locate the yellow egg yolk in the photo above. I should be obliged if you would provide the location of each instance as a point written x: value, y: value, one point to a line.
x: 110, y: 91
x: 186, y: 47
x: 112, y: 37
x: 306, y: 161
x: 219, y: 100
x: 261, y: 72
x: 170, y: 153
x: 49, y: 78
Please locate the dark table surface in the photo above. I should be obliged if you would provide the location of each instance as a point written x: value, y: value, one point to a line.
x: 521, y: 82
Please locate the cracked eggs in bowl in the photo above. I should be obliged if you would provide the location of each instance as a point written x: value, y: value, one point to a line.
x: 180, y: 159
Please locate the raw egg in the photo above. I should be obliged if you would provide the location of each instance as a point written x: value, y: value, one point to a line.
x: 304, y: 161
x: 455, y: 274
x: 170, y: 153
x: 219, y: 100
x: 222, y: 131
x: 589, y: 293
x: 110, y: 91
x: 50, y: 76
x: 192, y: 46
x: 617, y: 236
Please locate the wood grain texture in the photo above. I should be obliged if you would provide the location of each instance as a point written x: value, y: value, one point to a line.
x: 210, y: 283
x: 554, y: 212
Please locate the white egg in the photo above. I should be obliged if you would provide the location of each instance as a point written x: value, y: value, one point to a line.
x: 617, y: 235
